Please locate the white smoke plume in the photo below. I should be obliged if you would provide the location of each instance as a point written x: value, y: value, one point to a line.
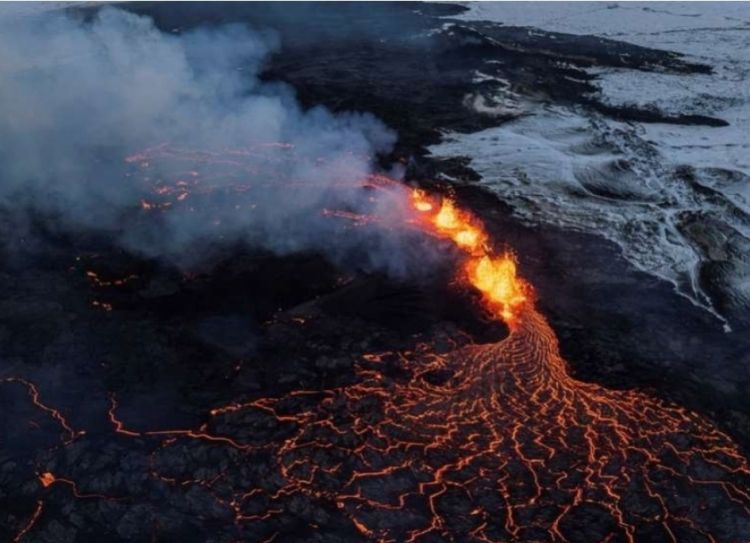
x: 78, y: 96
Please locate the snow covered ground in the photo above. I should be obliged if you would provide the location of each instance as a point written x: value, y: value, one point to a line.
x: 673, y: 197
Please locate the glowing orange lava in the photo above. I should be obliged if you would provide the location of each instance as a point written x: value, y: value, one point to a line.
x: 489, y: 443
x: 47, y: 479
x: 493, y: 275
x: 30, y: 523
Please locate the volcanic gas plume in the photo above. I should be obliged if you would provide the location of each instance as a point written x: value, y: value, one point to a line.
x: 79, y: 92
x: 487, y: 443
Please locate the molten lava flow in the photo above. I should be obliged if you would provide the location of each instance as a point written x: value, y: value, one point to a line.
x: 33, y: 392
x: 30, y: 523
x: 488, y: 443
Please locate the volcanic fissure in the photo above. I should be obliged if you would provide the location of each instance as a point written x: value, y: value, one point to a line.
x: 508, y: 433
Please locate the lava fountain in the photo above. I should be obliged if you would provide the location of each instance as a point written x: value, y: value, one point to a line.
x: 494, y: 276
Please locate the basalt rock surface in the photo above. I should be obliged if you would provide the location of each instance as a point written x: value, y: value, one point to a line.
x: 112, y: 364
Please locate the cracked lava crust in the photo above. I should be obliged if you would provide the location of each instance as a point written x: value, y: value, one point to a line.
x: 490, y: 442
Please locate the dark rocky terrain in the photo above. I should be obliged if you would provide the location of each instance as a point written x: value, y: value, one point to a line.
x: 118, y: 345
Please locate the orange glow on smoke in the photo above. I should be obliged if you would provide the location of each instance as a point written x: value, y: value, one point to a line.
x: 493, y: 275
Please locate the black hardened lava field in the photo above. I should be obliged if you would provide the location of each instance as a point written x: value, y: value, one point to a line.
x: 247, y: 296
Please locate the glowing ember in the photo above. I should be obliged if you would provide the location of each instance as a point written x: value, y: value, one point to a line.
x: 101, y: 305
x: 46, y: 479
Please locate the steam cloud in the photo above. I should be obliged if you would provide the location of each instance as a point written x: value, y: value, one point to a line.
x: 76, y: 97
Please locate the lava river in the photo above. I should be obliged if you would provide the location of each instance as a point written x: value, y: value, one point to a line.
x: 509, y: 447
x: 489, y: 443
